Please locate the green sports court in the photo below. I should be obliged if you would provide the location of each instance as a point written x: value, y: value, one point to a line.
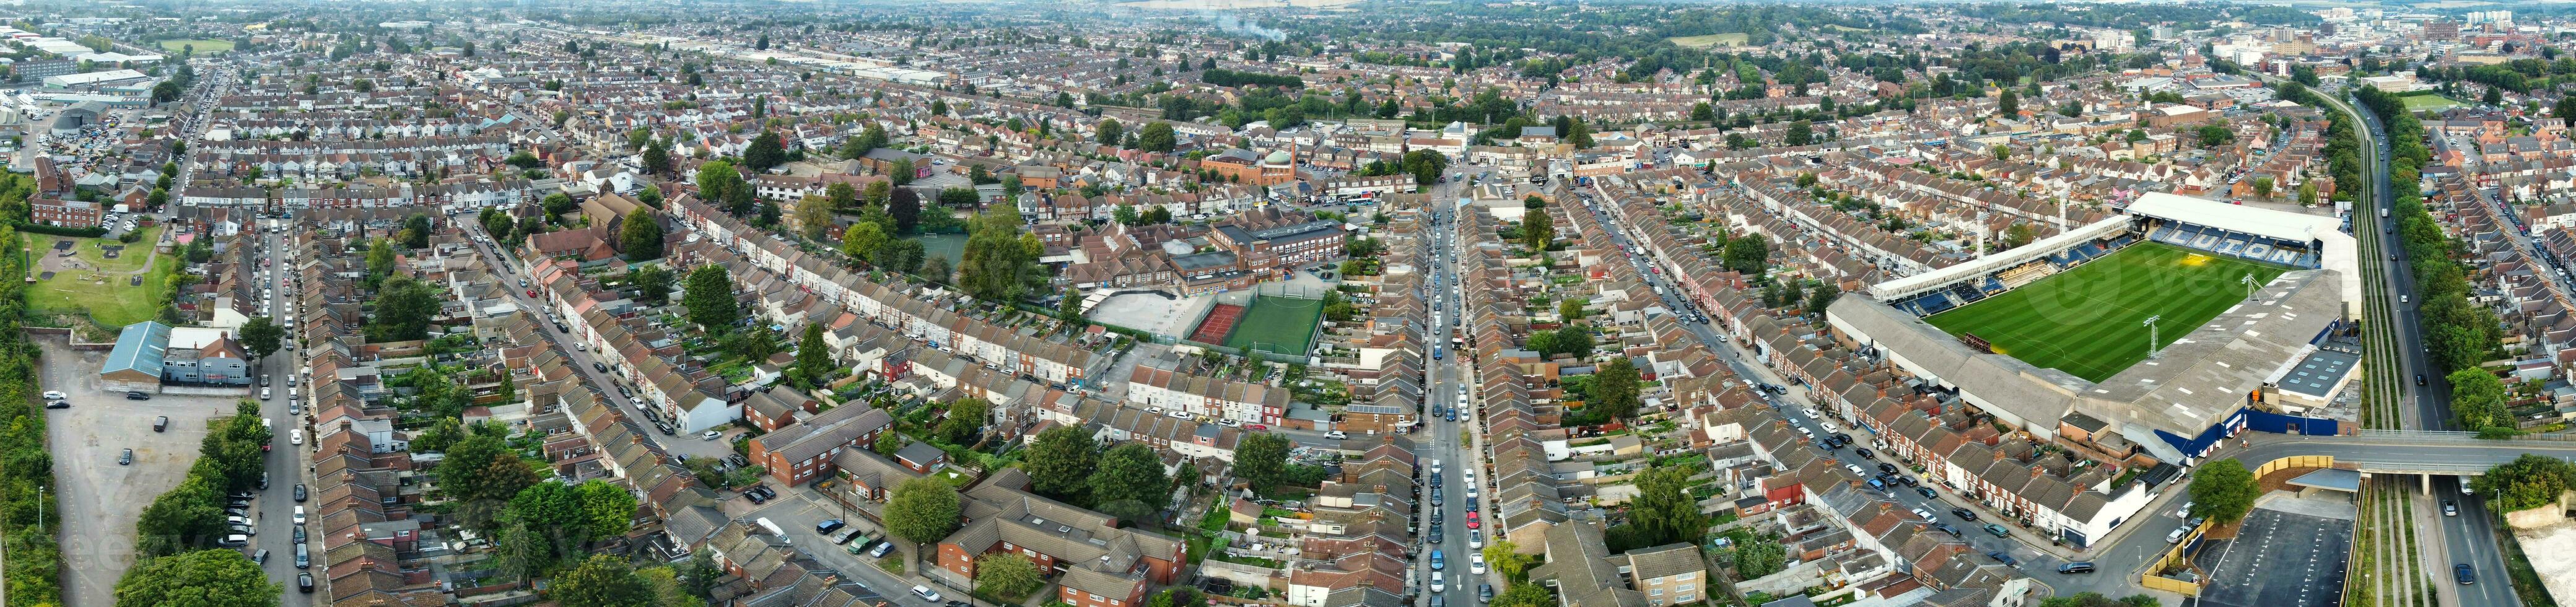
x: 2090, y: 321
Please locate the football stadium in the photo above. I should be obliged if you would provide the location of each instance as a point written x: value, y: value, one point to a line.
x: 2156, y: 332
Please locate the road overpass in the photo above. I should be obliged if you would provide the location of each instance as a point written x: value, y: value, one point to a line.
x: 2402, y: 451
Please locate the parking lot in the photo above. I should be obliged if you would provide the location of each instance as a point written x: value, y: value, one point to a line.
x: 98, y: 541
x: 2279, y: 559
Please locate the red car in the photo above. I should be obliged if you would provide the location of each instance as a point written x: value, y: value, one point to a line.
x: 532, y: 292
x: 1255, y: 427
x: 1472, y: 522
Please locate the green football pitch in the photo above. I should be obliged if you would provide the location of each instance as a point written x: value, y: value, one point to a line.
x: 2091, y: 321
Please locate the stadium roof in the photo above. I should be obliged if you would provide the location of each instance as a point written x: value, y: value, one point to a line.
x: 2283, y: 225
x: 2194, y: 383
x: 2340, y: 252
x: 1899, y: 288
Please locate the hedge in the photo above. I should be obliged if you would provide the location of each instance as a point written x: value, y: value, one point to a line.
x: 39, y: 228
x: 27, y: 515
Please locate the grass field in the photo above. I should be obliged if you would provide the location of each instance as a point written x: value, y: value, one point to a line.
x: 2417, y: 103
x: 111, y: 302
x: 1278, y: 324
x: 2090, y: 321
x: 204, y: 47
x: 1710, y: 40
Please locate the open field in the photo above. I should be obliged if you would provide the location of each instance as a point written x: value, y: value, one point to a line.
x: 2417, y: 103
x: 90, y: 282
x: 1710, y: 40
x: 204, y: 47
x: 1278, y: 324
x: 2090, y: 321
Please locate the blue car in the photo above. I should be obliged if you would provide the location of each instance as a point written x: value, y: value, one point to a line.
x: 1436, y: 562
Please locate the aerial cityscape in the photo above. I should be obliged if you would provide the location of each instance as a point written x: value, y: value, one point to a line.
x: 1287, y: 303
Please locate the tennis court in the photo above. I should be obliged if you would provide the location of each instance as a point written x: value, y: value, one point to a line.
x: 1283, y: 325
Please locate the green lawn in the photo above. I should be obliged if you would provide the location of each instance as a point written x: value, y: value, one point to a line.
x: 2417, y: 103
x: 204, y: 47
x: 1710, y: 40
x: 2090, y: 321
x: 112, y: 302
x: 1278, y: 324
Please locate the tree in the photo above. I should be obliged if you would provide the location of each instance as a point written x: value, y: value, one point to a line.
x: 2308, y: 193
x: 522, y: 553
x: 652, y: 283
x: 178, y: 519
x: 1008, y: 575
x: 1824, y: 295
x: 905, y: 206
x: 717, y: 180
x: 262, y: 336
x: 2008, y: 104
x: 640, y: 235
x: 509, y: 389
x: 602, y: 580
x: 935, y: 268
x: 902, y: 172
x: 764, y: 153
x: 813, y: 216
x: 2493, y: 96
x: 862, y: 240
x: 997, y: 265
x: 1750, y: 255
x: 1614, y: 388
x: 1506, y: 559
x: 2214, y: 135
x: 1130, y: 483
x: 1538, y: 230
x: 1124, y: 214
x: 1108, y: 132
x: 966, y: 416
x: 1060, y: 461
x: 550, y: 509
x: 607, y: 510
x: 1571, y: 308
x: 1068, y: 308
x: 203, y: 578
x: 2527, y: 482
x: 2478, y: 399
x: 812, y: 356
x: 2263, y: 187
x: 657, y: 158
x: 1156, y: 137
x: 1800, y: 133
x: 1262, y: 459
x: 922, y: 509
x: 710, y: 298
x: 2565, y: 111
x: 1524, y: 595
x: 2223, y: 490
x: 483, y: 476
x: 1663, y: 511
x: 404, y: 308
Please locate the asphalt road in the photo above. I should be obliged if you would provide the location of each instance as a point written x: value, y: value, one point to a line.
x: 2468, y: 538
x: 288, y: 463
x: 509, y: 274
x: 1793, y: 405
x: 1460, y: 459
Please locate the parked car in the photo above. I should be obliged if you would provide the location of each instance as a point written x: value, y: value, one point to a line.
x: 1964, y: 514
x: 137, y: 396
x: 1998, y: 530
x: 2076, y: 567
x: 125, y: 459
x: 304, y: 583
x: 1927, y: 492
x: 2006, y: 559
x: 925, y: 593
x: 56, y: 395
x: 161, y: 423
x: 828, y: 526
x: 58, y: 404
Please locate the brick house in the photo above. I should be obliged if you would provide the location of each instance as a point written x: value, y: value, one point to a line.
x: 803, y: 451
